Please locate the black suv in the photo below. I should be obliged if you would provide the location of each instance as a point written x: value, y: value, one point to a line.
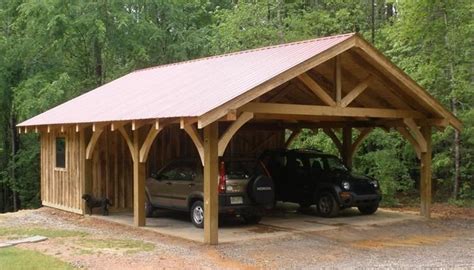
x: 244, y: 187
x: 312, y: 177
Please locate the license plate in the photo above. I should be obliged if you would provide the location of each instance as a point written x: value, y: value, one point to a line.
x: 236, y: 200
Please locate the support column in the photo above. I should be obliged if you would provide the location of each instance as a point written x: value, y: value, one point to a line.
x: 425, y: 174
x: 86, y: 168
x: 347, y: 146
x: 138, y: 183
x: 211, y: 204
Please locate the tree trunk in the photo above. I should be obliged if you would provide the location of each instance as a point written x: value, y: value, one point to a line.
x: 14, y: 150
x: 457, y: 138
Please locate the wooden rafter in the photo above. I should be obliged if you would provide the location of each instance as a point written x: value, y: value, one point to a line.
x: 231, y: 130
x: 316, y: 89
x: 293, y: 109
x: 263, y: 88
x: 355, y: 92
x: 338, y: 79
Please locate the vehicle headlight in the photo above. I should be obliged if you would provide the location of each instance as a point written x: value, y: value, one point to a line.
x: 375, y: 183
x: 346, y: 185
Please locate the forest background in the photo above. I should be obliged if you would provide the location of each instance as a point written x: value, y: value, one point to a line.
x: 54, y: 50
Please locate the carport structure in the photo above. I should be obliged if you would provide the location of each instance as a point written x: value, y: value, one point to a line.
x: 334, y: 84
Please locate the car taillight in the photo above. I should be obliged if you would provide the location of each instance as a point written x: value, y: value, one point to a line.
x: 222, y: 178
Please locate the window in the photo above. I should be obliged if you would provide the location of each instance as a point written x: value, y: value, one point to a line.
x: 61, y: 153
x: 179, y: 171
x: 335, y: 164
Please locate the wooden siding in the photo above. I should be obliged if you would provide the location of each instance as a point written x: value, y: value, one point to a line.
x: 61, y: 188
x: 112, y: 166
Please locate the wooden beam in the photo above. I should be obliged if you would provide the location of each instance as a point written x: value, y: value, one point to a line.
x: 398, y: 76
x: 197, y: 140
x: 283, y: 77
x: 425, y: 174
x: 330, y: 132
x: 146, y: 146
x: 364, y: 132
x: 139, y: 169
x: 186, y: 121
x: 92, y: 142
x: 231, y: 130
x: 211, y: 203
x: 294, y: 109
x: 418, y: 136
x: 338, y: 79
x: 128, y: 140
x: 293, y: 135
x: 407, y: 135
x: 347, y: 146
x: 355, y: 92
x: 316, y: 89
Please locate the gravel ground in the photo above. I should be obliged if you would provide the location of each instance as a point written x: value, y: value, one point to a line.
x: 437, y: 243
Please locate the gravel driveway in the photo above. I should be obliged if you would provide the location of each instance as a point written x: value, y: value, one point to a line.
x: 436, y: 243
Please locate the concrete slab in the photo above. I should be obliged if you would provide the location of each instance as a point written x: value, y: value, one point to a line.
x: 285, y: 220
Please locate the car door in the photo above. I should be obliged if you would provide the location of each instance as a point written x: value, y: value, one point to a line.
x: 297, y: 174
x: 159, y: 186
x: 317, y: 171
x: 183, y: 184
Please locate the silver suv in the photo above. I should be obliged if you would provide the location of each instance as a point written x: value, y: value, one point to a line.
x: 245, y: 189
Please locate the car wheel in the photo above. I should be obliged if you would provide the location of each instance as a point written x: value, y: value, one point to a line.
x: 327, y: 205
x: 252, y: 219
x: 197, y: 214
x: 368, y: 209
x: 149, y: 208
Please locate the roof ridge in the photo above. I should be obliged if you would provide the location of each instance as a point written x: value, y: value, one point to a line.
x: 246, y: 51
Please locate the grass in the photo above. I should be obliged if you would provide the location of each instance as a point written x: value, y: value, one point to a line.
x: 14, y: 258
x: 50, y: 233
x: 127, y: 246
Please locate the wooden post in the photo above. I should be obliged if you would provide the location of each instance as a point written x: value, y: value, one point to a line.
x: 211, y: 204
x: 138, y: 183
x: 86, y: 169
x: 425, y: 174
x: 347, y: 146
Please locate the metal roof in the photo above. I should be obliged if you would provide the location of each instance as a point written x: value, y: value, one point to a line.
x: 185, y: 89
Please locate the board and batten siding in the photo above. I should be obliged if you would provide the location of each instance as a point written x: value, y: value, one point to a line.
x: 62, y: 187
x: 111, y: 166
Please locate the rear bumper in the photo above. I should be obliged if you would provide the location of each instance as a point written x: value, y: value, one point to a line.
x: 351, y: 199
x: 246, y: 207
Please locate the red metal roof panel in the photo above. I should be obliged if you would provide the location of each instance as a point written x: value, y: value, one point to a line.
x: 184, y: 89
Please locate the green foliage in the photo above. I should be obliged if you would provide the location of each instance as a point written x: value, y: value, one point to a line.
x: 32, y: 231
x: 53, y: 50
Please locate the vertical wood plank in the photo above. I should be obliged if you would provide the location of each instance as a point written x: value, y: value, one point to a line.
x: 338, y: 80
x: 211, y: 204
x: 425, y: 174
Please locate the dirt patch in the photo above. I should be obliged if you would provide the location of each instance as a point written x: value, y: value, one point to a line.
x: 411, y: 241
x: 442, y: 210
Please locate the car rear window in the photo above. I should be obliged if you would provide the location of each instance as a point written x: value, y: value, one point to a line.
x: 240, y: 169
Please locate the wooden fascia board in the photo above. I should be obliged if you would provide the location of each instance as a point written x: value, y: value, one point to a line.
x: 402, y: 77
x: 293, y: 109
x: 270, y: 84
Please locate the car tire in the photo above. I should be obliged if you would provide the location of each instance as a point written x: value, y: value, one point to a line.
x: 197, y: 214
x: 327, y: 205
x: 149, y: 208
x: 368, y: 209
x: 252, y: 219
